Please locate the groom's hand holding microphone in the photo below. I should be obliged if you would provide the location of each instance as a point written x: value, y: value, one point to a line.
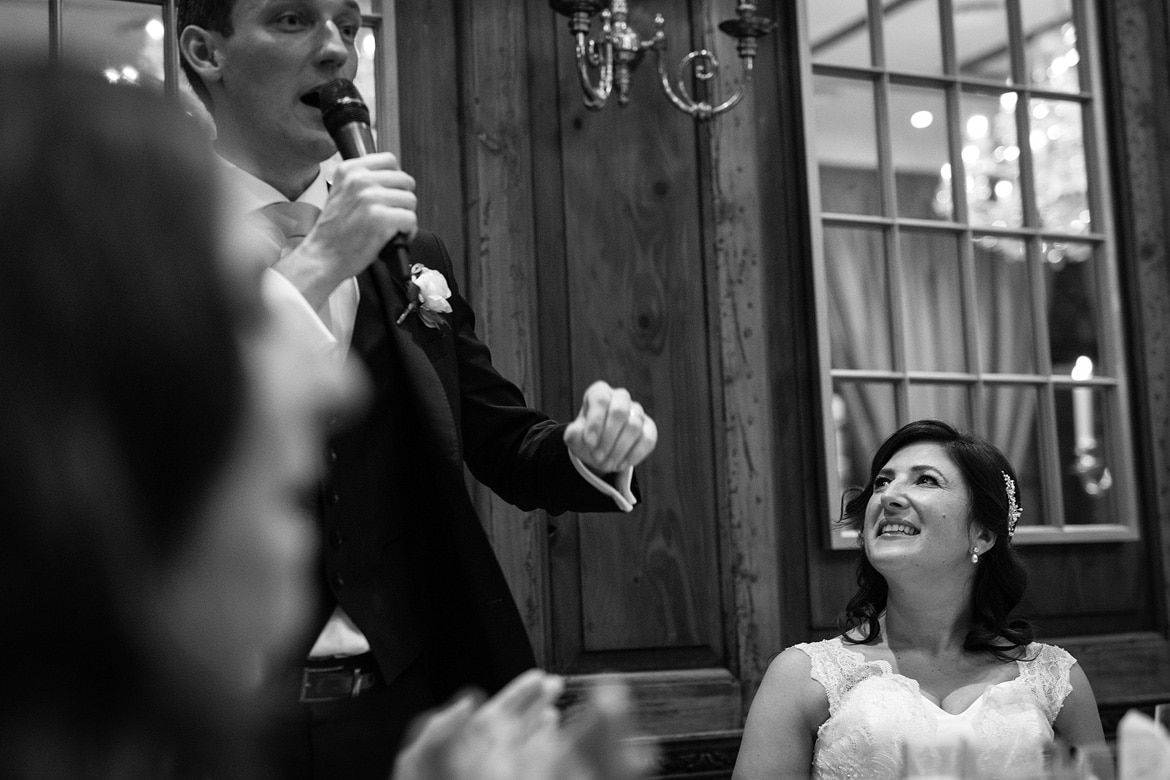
x: 371, y: 202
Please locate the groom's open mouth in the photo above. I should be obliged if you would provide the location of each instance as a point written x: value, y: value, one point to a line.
x: 312, y: 98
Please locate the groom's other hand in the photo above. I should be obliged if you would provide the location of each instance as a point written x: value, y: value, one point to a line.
x: 612, y: 431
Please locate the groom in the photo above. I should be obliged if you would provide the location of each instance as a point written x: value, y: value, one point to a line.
x: 414, y: 605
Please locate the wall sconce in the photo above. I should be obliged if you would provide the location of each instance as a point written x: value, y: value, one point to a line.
x: 621, y: 48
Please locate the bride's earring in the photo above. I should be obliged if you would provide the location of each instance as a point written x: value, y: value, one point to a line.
x: 974, y: 556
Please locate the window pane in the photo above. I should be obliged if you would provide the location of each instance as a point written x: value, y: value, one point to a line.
x: 918, y: 136
x: 846, y: 143
x: 991, y: 159
x: 1004, y: 306
x: 1087, y: 481
x: 1012, y: 419
x: 864, y: 416
x: 1073, y: 309
x: 24, y: 27
x: 1050, y: 44
x: 981, y: 42
x: 948, y: 403
x: 859, y: 307
x: 916, y: 21
x: 1058, y: 154
x: 838, y: 32
x: 124, y: 40
x: 932, y: 296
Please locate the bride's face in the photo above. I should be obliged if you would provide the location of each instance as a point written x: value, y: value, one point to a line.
x: 919, y: 517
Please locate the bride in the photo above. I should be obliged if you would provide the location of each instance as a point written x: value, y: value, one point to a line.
x: 929, y: 651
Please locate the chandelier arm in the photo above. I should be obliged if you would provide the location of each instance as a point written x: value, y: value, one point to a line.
x: 745, y: 86
x: 726, y: 105
x: 595, y: 96
x: 594, y: 56
x: 683, y: 90
x: 682, y: 98
x: 682, y: 102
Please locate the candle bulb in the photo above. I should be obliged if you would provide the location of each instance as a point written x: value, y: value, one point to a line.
x: 1083, y: 422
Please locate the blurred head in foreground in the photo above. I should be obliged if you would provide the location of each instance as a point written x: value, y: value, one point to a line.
x: 160, y: 430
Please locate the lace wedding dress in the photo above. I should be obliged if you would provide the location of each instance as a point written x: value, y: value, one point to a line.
x: 872, y: 711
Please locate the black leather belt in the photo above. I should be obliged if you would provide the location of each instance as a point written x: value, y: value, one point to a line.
x: 333, y: 679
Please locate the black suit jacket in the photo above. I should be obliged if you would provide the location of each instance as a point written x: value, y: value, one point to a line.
x: 405, y: 554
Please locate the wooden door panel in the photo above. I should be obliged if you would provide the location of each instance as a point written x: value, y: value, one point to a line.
x: 633, y: 265
x: 642, y: 585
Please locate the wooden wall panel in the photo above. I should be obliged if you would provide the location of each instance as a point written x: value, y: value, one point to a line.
x: 797, y: 448
x: 753, y: 300
x: 429, y: 118
x: 637, y: 314
x: 502, y: 260
x: 1140, y: 83
x: 644, y: 585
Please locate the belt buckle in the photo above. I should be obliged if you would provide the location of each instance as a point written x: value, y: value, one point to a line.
x: 332, y: 684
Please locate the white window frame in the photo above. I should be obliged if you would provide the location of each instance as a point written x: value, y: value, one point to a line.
x: 1117, y: 443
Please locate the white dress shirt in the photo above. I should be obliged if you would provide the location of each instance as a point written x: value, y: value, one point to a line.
x: 332, y: 329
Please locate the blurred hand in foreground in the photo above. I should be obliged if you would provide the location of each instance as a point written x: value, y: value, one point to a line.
x: 516, y: 735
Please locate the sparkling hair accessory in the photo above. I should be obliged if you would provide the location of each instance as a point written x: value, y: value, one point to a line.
x: 1014, y: 509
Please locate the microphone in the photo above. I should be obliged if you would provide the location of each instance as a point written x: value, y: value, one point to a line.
x: 347, y: 119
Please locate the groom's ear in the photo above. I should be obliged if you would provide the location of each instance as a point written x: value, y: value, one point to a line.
x: 203, y: 52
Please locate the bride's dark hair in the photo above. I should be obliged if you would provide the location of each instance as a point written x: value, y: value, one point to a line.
x: 999, y: 578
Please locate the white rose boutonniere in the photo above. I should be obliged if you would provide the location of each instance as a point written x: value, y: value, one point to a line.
x: 432, y: 294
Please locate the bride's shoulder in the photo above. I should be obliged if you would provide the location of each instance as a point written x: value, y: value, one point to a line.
x: 820, y: 645
x: 794, y: 680
x: 829, y: 661
x: 789, y: 672
x: 794, y: 660
x: 832, y: 650
x: 1051, y: 656
x: 807, y: 660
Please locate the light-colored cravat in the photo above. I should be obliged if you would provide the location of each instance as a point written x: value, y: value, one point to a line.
x: 293, y: 219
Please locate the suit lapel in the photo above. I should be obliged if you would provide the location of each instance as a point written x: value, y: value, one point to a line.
x: 412, y: 338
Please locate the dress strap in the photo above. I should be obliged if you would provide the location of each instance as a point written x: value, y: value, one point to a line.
x: 836, y: 668
x: 1047, y: 675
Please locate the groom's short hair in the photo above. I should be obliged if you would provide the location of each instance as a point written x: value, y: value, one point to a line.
x: 214, y: 15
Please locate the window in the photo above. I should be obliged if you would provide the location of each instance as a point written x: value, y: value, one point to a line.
x: 964, y: 261
x: 131, y: 42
